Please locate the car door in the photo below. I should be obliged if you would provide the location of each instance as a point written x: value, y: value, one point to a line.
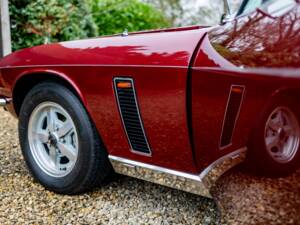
x: 226, y: 100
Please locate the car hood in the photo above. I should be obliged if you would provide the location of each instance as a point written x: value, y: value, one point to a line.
x: 168, y: 47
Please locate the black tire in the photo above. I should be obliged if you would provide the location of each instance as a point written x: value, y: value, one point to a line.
x: 92, y: 166
x: 259, y: 159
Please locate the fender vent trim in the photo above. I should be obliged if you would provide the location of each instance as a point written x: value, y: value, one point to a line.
x: 232, y: 112
x: 130, y: 115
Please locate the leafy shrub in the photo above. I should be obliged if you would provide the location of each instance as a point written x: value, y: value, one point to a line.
x: 114, y: 16
x: 41, y: 21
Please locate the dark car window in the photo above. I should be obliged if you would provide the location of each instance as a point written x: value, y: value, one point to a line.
x: 251, y: 5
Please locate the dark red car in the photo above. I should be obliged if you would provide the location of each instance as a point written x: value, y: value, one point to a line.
x: 176, y: 107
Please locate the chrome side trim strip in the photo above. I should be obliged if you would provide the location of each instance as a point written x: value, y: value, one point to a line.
x: 4, y: 101
x: 174, y: 179
x: 215, y: 170
x: 193, y: 183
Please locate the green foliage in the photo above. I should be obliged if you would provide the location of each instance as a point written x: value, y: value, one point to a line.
x: 114, y: 16
x: 42, y: 21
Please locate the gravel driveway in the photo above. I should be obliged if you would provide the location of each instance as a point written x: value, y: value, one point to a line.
x: 244, y: 199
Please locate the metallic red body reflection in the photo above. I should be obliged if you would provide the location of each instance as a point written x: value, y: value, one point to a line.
x: 182, y: 79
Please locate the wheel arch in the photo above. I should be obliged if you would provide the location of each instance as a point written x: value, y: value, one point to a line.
x: 287, y: 92
x: 254, y: 152
x: 270, y: 97
x: 28, y: 80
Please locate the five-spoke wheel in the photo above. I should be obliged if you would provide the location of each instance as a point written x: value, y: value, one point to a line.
x: 53, y: 139
x: 275, y: 143
x: 59, y: 142
x: 282, y: 135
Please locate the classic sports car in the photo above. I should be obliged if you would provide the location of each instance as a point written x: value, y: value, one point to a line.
x: 176, y: 107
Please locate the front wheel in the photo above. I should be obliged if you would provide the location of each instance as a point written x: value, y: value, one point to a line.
x: 59, y: 142
x: 274, y: 148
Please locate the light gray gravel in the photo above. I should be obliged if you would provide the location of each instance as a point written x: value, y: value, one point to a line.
x: 245, y: 199
x: 248, y: 199
x: 124, y: 201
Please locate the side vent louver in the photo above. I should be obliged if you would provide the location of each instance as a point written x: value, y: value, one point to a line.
x: 231, y: 114
x: 130, y: 114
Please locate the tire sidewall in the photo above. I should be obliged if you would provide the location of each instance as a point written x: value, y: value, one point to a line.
x: 62, y: 96
x: 258, y: 154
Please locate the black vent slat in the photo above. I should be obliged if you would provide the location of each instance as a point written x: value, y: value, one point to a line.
x: 139, y: 147
x: 126, y: 92
x: 133, y: 127
x: 140, y: 142
x: 138, y: 139
x: 128, y: 105
x: 127, y: 99
x: 231, y: 114
x: 135, y: 133
x: 128, y: 96
x: 133, y: 123
x: 129, y: 110
x: 132, y: 120
x: 127, y: 102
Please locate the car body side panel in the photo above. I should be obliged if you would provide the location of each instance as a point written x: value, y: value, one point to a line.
x: 257, y: 51
x: 210, y: 96
x: 158, y: 63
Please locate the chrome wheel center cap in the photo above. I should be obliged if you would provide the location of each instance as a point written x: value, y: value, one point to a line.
x: 52, y: 139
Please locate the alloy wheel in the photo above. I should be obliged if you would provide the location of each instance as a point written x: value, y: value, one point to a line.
x: 53, y: 139
x: 282, y: 134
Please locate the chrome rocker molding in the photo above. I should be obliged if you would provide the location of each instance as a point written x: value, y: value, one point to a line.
x: 197, y: 184
x: 4, y: 101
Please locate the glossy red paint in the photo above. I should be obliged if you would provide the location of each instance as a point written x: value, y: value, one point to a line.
x: 160, y: 58
x: 258, y: 51
x: 150, y: 49
x: 182, y: 79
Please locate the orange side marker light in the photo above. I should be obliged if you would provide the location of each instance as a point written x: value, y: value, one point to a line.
x: 237, y: 90
x: 124, y: 85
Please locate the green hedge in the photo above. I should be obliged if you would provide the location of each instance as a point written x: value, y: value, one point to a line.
x: 42, y: 21
x: 114, y: 16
